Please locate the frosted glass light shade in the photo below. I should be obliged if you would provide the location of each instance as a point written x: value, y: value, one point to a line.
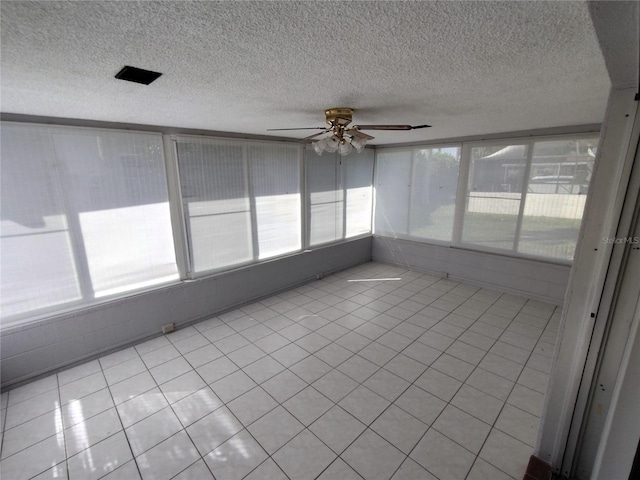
x: 345, y: 147
x: 332, y: 143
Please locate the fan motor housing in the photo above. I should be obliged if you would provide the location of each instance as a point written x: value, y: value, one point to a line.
x: 339, y: 116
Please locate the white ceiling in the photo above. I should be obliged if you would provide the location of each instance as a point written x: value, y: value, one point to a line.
x: 467, y: 68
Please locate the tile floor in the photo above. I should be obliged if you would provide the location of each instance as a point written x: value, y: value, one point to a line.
x: 373, y: 373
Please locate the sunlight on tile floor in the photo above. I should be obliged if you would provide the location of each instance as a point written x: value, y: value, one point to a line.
x: 376, y: 373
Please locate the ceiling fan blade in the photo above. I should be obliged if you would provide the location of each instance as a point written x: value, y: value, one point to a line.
x: 357, y: 133
x: 391, y: 127
x: 313, y: 136
x: 307, y: 128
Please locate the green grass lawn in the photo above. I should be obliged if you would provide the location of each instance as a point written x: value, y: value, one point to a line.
x: 541, y: 236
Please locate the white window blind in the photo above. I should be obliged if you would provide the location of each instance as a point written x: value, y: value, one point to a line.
x: 241, y: 200
x: 85, y: 215
x: 340, y: 195
x: 416, y: 192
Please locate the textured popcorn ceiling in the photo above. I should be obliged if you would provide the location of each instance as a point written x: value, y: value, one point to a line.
x: 467, y: 68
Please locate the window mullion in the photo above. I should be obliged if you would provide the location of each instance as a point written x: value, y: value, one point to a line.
x: 178, y: 221
x: 461, y: 194
x: 523, y: 198
x: 253, y: 214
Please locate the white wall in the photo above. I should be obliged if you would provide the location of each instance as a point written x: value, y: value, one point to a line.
x: 531, y: 278
x: 30, y: 350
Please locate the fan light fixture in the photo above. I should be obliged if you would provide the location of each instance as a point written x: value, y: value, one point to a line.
x: 340, y: 137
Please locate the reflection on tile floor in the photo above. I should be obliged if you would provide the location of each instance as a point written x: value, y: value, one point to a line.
x: 374, y: 373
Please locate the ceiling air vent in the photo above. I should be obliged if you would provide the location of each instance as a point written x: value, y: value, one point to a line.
x: 137, y: 75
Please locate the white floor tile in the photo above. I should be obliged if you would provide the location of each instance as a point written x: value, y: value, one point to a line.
x: 152, y: 430
x: 252, y: 405
x: 399, y: 428
x: 31, y: 432
x: 145, y: 404
x: 526, y: 399
x: 437, y: 383
x: 268, y: 470
x: 373, y: 457
x: 232, y: 386
x: 358, y: 368
x: 100, y: 459
x: 182, y: 386
x: 80, y: 410
x: 282, y: 364
x: 420, y: 404
x: 518, y: 424
x: 490, y: 383
x: 33, y: 407
x: 337, y: 429
x: 166, y: 460
x: 32, y: 389
x: 128, y: 471
x: 211, y: 431
x: 405, y: 367
x: 263, y: 369
x: 57, y: 472
x: 410, y: 470
x: 275, y: 429
x: 284, y: 386
x: 203, y: 355
x: 33, y: 460
x: 386, y: 384
x: 170, y: 370
x: 339, y: 470
x: 308, y: 405
x: 443, y: 457
x: 195, y: 471
x: 124, y: 370
x: 483, y: 470
x: 92, y: 431
x: 304, y: 457
x: 462, y: 428
x: 236, y: 457
x: 80, y: 388
x: 127, y: 389
x: 364, y: 404
x: 479, y: 404
x: 196, y: 406
x: 506, y: 453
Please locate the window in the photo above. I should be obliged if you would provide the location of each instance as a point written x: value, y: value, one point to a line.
x: 496, y: 178
x: 556, y: 196
x: 522, y: 197
x: 84, y: 215
x: 529, y: 197
x: 340, y: 195
x: 416, y: 192
x: 241, y: 200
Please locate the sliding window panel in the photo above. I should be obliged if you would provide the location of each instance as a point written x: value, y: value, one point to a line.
x: 275, y: 182
x: 433, y: 193
x: 358, y: 173
x: 38, y: 266
x: 115, y: 184
x: 393, y: 192
x: 216, y: 203
x: 85, y: 214
x: 325, y: 197
x: 495, y: 185
x: 556, y: 195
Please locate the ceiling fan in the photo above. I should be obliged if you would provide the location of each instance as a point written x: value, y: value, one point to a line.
x: 343, y: 137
